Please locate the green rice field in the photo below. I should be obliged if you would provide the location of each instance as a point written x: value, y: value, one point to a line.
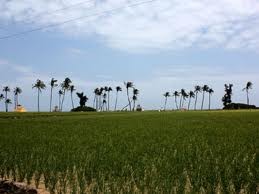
x: 146, y: 152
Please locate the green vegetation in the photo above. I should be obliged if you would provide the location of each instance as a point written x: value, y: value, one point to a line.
x: 147, y: 152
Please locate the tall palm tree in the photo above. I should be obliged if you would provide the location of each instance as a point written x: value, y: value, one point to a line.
x: 6, y: 89
x: 16, y: 91
x: 109, y: 90
x: 210, y: 91
x: 176, y: 95
x: 7, y: 101
x: 60, y: 93
x: 197, y: 89
x: 166, y: 95
x: 72, y: 89
x: 191, y: 95
x: 100, y: 97
x: 1, y: 97
x: 182, y: 93
x: 118, y: 89
x: 247, y: 88
x: 128, y: 85
x: 204, y: 89
x: 96, y: 94
x: 185, y: 95
x: 135, y: 97
x: 39, y: 85
x: 65, y: 86
x: 53, y: 84
x: 104, y: 102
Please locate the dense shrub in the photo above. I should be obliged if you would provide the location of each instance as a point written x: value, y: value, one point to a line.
x: 239, y: 106
x: 83, y: 109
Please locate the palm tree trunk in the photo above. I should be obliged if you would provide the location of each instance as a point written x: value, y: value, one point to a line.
x: 196, y: 98
x: 96, y: 104
x: 134, y: 102
x: 72, y: 100
x: 180, y: 105
x: 50, y: 103
x: 165, y: 103
x: 108, y: 101
x: 175, y: 99
x: 128, y: 98
x: 209, y: 100
x: 94, y: 100
x: 17, y: 100
x: 247, y: 97
x: 61, y: 106
x: 115, y: 108
x: 202, y: 100
x: 14, y: 101
x: 189, y: 103
x: 38, y: 100
x: 6, y: 105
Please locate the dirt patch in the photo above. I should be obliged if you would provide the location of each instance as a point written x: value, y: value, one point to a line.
x: 10, y: 187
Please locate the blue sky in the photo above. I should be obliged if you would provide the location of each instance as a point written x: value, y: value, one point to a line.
x: 160, y: 46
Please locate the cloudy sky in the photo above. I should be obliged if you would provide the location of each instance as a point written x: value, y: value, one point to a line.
x: 160, y: 45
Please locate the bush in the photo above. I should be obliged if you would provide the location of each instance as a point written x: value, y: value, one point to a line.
x: 239, y: 106
x: 83, y: 109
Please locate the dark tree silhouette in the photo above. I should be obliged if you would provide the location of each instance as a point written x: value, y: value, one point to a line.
x: 6, y: 89
x: 72, y: 89
x: 210, y: 91
x: 53, y: 84
x: 197, y: 90
x: 1, y: 97
x: 228, y: 94
x: 39, y: 85
x: 60, y: 93
x: 16, y: 92
x: 118, y: 89
x: 83, y: 99
x: 104, y: 102
x: 128, y: 85
x: 176, y: 95
x: 191, y: 95
x: 96, y: 94
x: 65, y: 85
x: 247, y: 88
x: 108, y: 91
x: 135, y: 97
x: 204, y: 89
x: 182, y: 93
x: 7, y: 102
x: 185, y: 96
x: 166, y: 95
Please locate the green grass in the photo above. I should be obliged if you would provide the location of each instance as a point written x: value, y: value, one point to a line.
x: 148, y: 152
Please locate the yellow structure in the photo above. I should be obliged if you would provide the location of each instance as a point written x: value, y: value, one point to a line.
x: 20, y: 108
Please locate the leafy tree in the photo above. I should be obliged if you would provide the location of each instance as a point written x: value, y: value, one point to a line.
x: 182, y: 93
x: 185, y: 96
x: 197, y: 90
x: 176, y: 95
x: 72, y: 89
x: 210, y: 91
x: 191, y: 95
x: 6, y: 89
x: 53, y: 84
x: 166, y: 95
x: 39, y: 85
x: 104, y: 102
x: 247, y: 88
x: 118, y: 89
x: 204, y: 89
x: 128, y: 85
x: 16, y: 91
x: 7, y: 102
x: 228, y: 94
x: 1, y: 97
x: 135, y: 97
x: 96, y: 94
x: 65, y: 85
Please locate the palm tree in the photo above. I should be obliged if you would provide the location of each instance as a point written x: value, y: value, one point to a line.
x: 100, y: 97
x: 6, y: 89
x: 247, y: 88
x: 135, y: 97
x: 60, y: 93
x: 72, y: 89
x: 204, y: 89
x: 166, y: 95
x: 39, y: 85
x: 191, y: 95
x: 65, y: 86
x: 210, y: 91
x: 182, y: 93
x: 176, y: 94
x: 104, y: 102
x: 118, y: 89
x: 197, y: 89
x: 16, y: 91
x: 185, y: 95
x: 52, y: 85
x: 1, y: 97
x: 96, y: 94
x: 7, y: 101
x: 128, y: 85
x: 109, y: 90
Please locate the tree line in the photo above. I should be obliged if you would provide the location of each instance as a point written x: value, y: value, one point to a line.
x: 101, y: 100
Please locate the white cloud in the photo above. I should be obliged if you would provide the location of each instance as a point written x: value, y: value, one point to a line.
x: 162, y: 24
